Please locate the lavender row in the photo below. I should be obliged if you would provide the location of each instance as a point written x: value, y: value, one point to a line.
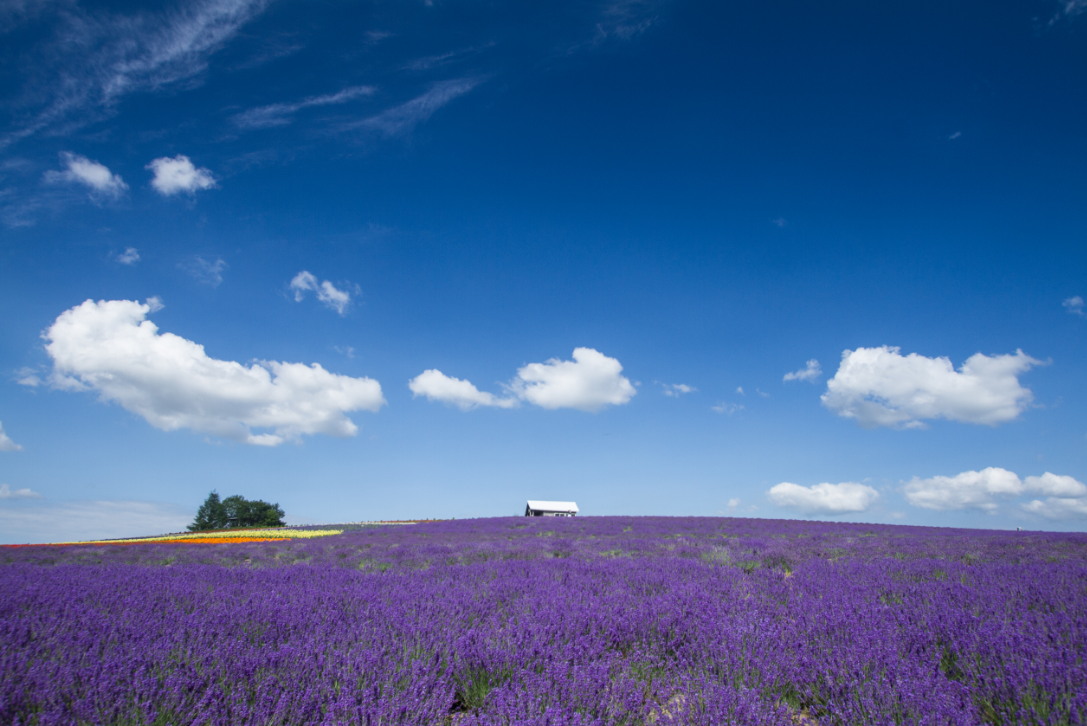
x: 744, y: 543
x: 514, y: 622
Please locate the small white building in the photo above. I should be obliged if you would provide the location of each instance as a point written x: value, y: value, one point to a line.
x: 550, y: 509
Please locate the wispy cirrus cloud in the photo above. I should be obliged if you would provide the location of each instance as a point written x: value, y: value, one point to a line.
x: 401, y: 119
x: 206, y: 272
x: 627, y: 19
x: 618, y: 21
x: 1068, y: 9
x: 93, y: 59
x: 374, y: 37
x: 282, y: 114
x: 433, y: 61
x: 272, y: 49
x: 13, y: 13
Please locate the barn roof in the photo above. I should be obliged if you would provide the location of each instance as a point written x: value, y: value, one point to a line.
x: 552, y: 506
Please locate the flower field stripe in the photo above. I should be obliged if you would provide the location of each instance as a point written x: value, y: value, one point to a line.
x: 190, y: 540
x: 241, y: 535
x: 197, y: 540
x: 583, y: 622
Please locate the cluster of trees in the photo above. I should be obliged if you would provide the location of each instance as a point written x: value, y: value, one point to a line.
x: 236, y: 511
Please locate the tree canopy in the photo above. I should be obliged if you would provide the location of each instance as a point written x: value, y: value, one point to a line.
x: 236, y: 511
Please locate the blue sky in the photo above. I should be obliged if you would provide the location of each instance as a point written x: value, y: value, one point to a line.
x: 432, y: 259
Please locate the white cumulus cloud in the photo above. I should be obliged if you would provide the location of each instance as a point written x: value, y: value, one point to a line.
x: 177, y: 175
x: 110, y: 347
x: 327, y: 293
x: 7, y: 444
x: 824, y: 498
x: 983, y: 489
x: 589, y: 382
x: 968, y: 490
x: 1055, y: 486
x: 129, y: 257
x: 1058, y: 508
x: 437, y: 386
x: 809, y: 372
x: 881, y: 387
x: 6, y: 492
x: 1074, y: 305
x: 97, y: 177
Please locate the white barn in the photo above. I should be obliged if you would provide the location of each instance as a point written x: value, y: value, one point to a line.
x: 550, y: 509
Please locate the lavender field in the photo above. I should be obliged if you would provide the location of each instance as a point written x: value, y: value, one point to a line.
x: 553, y: 621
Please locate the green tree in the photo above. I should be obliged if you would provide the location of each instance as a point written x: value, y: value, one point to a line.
x: 241, y: 512
x: 236, y: 511
x: 211, y: 515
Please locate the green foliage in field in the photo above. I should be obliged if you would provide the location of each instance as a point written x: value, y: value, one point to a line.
x: 235, y: 511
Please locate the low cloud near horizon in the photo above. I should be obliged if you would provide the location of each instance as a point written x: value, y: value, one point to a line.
x: 111, y: 348
x: 984, y: 490
x: 844, y: 498
x: 76, y: 521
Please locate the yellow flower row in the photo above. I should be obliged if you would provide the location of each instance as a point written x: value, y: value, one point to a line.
x: 224, y: 535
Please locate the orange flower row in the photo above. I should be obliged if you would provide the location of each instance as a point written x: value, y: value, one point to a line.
x: 190, y: 540
x: 202, y: 540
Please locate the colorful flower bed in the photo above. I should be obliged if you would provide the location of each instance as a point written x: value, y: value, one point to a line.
x: 193, y: 540
x: 220, y: 536
x: 564, y: 621
x: 233, y: 536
